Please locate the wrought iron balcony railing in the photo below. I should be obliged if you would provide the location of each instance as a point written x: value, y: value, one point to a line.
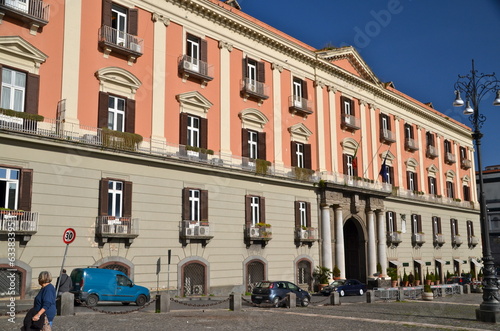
x: 394, y: 238
x: 18, y: 221
x: 35, y: 12
x: 253, y: 88
x: 450, y: 158
x: 108, y: 227
x: 350, y: 122
x: 307, y: 234
x: 299, y: 105
x: 120, y: 42
x: 466, y: 164
x: 439, y: 240
x: 191, y: 67
x: 411, y: 144
x: 432, y: 152
x: 418, y: 239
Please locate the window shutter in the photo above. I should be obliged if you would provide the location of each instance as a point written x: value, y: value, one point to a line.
x: 353, y: 111
x: 297, y: 214
x: 203, y: 50
x: 293, y: 149
x: 387, y: 221
x: 391, y: 174
x: 244, y: 143
x: 388, y: 122
x: 439, y: 225
x: 103, y: 197
x: 262, y: 209
x: 304, y: 89
x: 106, y: 12
x: 261, y: 145
x: 127, y: 199
x: 245, y: 68
x: 415, y: 181
x: 355, y: 169
x: 248, y: 211
x: 102, y: 111
x: 130, y: 116
x: 344, y: 157
x: 408, y: 179
x: 203, y: 133
x: 32, y: 92
x: 381, y: 121
x: 1, y: 70
x: 204, y: 204
x: 308, y: 214
x: 25, y: 193
x: 261, y: 72
x: 342, y: 105
x: 307, y: 156
x: 419, y: 223
x: 185, y: 204
x: 133, y: 19
x: 183, y: 129
x: 395, y: 221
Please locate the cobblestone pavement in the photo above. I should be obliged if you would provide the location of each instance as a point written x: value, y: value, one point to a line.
x: 448, y: 313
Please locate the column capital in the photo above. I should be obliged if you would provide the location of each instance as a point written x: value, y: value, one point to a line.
x: 276, y: 66
x: 397, y: 118
x: 155, y: 17
x: 362, y: 102
x: 319, y: 83
x: 331, y: 88
x: 226, y: 45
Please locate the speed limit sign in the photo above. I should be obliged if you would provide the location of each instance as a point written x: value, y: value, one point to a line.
x: 69, y: 235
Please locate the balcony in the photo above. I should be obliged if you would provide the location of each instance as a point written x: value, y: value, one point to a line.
x: 411, y: 144
x: 23, y: 224
x: 300, y: 106
x: 350, y: 122
x: 418, y: 239
x: 305, y: 236
x: 473, y: 241
x: 33, y: 12
x: 111, y: 227
x: 450, y: 158
x: 456, y: 240
x: 191, y: 67
x: 394, y: 238
x: 466, y: 164
x: 387, y: 136
x: 196, y: 232
x: 432, y: 152
x: 113, y: 40
x: 259, y: 233
x: 439, y: 240
x: 252, y: 88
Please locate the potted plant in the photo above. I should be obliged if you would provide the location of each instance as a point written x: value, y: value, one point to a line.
x: 393, y: 273
x: 336, y: 272
x: 322, y: 275
x: 417, y: 278
x: 427, y: 295
x: 428, y: 278
x: 405, y: 278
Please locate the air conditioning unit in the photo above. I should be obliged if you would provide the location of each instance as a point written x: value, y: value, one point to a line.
x: 204, y: 230
x: 198, y: 289
x: 189, y: 232
x: 252, y: 87
x: 188, y: 65
x: 254, y: 232
x: 135, y: 47
x: 121, y: 228
x: 304, y: 234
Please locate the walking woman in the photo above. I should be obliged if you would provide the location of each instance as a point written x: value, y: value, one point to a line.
x: 45, y: 301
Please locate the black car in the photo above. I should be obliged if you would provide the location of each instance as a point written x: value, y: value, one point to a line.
x: 275, y: 291
x: 349, y: 286
x: 458, y: 280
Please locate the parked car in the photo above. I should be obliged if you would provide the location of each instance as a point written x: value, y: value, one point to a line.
x: 275, y: 291
x: 91, y: 285
x: 458, y: 280
x: 343, y: 286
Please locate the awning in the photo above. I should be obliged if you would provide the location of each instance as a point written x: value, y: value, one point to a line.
x: 395, y: 262
x: 443, y: 262
x: 478, y: 264
x: 419, y: 262
x: 458, y: 260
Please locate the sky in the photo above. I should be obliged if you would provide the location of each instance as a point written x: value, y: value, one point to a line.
x: 420, y: 45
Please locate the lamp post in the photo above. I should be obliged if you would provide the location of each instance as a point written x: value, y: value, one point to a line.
x: 475, y: 86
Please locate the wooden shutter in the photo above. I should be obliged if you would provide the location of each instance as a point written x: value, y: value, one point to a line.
x: 103, y: 197
x: 25, y: 192
x: 248, y: 210
x: 244, y: 143
x: 304, y: 90
x: 261, y: 71
x: 133, y: 18
x: 183, y: 129
x: 395, y: 221
x: 415, y: 181
x: 308, y: 214
x: 185, y: 204
x: 344, y: 160
x: 391, y: 174
x: 203, y: 50
x: 408, y: 180
x: 353, y: 111
x: 130, y: 116
x: 106, y: 12
x: 439, y: 225
x: 32, y: 93
x: 419, y: 223
x: 102, y: 111
x: 204, y: 204
x: 127, y: 199
x: 307, y: 156
x: 245, y: 66
x: 297, y: 214
x: 262, y: 209
x: 261, y: 145
x: 387, y: 221
x: 203, y: 133
x: 355, y: 169
x: 293, y: 149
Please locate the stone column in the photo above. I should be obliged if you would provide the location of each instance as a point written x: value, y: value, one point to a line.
x: 440, y: 162
x: 326, y: 233
x: 372, y: 251
x: 399, y: 156
x: 421, y: 154
x: 339, y: 241
x: 382, y: 252
x: 320, y: 122
x: 225, y: 100
x: 333, y: 128
x: 278, y: 144
x: 364, y: 139
x: 374, y: 141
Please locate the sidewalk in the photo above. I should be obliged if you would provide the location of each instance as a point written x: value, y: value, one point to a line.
x: 448, y: 313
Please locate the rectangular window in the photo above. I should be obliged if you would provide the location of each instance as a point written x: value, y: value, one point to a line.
x: 194, y: 205
x: 115, y: 198
x: 116, y: 113
x: 450, y: 192
x: 436, y: 225
x: 300, y: 155
x: 21, y: 5
x: 416, y: 223
x: 13, y: 89
x: 454, y: 227
x: 390, y: 217
x: 119, y: 23
x: 255, y: 210
x: 347, y: 106
x: 303, y: 213
x: 463, y: 154
x: 466, y: 193
x: 432, y: 185
x: 9, y: 188
x: 412, y: 181
x: 470, y: 230
x: 408, y: 131
x: 193, y: 131
x: 297, y: 92
x: 387, y: 174
x: 447, y: 146
x: 350, y: 165
x: 253, y: 144
x: 193, y: 51
x: 429, y: 139
x: 251, y: 72
x: 385, y: 124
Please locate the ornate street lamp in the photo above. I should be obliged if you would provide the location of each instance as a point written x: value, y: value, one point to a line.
x: 475, y: 86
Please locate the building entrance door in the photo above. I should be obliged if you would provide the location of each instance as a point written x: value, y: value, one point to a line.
x: 354, y: 248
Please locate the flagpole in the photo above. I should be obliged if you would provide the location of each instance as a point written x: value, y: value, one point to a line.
x: 373, y: 158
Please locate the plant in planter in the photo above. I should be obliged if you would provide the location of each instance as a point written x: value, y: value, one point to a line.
x: 393, y: 273
x: 417, y: 278
x: 405, y: 278
x: 428, y: 278
x: 262, y: 166
x: 322, y: 275
x: 336, y: 272
x: 427, y: 295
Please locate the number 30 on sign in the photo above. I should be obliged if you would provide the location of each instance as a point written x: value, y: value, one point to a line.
x: 69, y: 235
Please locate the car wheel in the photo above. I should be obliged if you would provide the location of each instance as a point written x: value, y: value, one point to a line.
x: 92, y: 300
x: 342, y: 293
x: 276, y: 302
x: 141, y: 300
x: 305, y: 302
x: 361, y: 292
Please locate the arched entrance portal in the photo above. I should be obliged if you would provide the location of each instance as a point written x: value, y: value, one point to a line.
x: 354, y: 250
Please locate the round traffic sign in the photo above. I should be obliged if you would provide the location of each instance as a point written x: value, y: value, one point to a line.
x: 69, y: 235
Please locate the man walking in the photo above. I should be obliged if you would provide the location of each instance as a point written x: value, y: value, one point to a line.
x: 64, y: 282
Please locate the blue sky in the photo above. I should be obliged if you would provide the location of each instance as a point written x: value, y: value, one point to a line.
x: 420, y: 45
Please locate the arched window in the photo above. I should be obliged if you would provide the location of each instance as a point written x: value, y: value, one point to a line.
x: 255, y: 272
x: 194, y: 279
x: 304, y: 274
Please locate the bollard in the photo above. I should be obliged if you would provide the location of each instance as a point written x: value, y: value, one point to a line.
x: 401, y: 295
x: 163, y: 303
x: 65, y: 304
x: 335, y: 299
x: 291, y: 300
x: 460, y: 290
x: 235, y: 301
x: 466, y: 289
x: 370, y: 296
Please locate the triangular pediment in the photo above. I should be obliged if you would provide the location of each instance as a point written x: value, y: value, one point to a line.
x: 432, y: 169
x: 349, y: 59
x: 194, y: 99
x: 17, y: 47
x: 300, y: 132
